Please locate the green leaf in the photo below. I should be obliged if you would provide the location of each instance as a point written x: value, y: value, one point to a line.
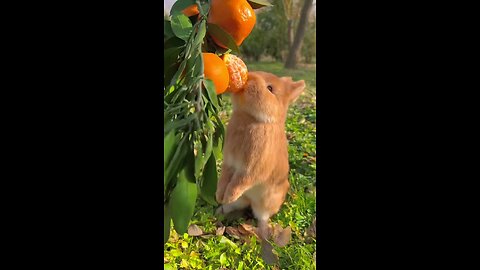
x: 168, y: 75
x: 173, y: 167
x: 179, y: 72
x: 167, y: 30
x: 190, y: 166
x: 169, y: 145
x: 222, y: 36
x: 223, y: 259
x: 222, y: 51
x: 191, y: 62
x: 202, y: 30
x: 256, y: 4
x: 205, y: 8
x: 218, y: 144
x: 173, y: 42
x: 166, y: 225
x: 209, y: 183
x: 180, y: 5
x: 182, y: 26
x: 179, y: 124
x: 173, y: 48
x: 199, y: 162
x: 224, y: 240
x: 212, y: 95
x: 198, y: 69
x: 208, y: 148
x: 220, y: 127
x: 170, y: 56
x: 182, y: 203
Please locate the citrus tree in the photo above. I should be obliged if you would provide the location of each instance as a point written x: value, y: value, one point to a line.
x: 199, y: 38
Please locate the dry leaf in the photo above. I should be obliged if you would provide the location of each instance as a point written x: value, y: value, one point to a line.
x: 194, y: 230
x: 207, y: 236
x: 247, y: 226
x: 173, y: 236
x: 277, y: 229
x: 233, y: 232
x: 249, y: 222
x: 247, y: 229
x: 241, y: 230
x: 220, y: 230
x: 246, y: 239
x: 267, y: 253
x: 219, y: 223
x: 283, y: 237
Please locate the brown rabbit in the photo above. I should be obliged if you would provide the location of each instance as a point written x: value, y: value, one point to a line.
x: 255, y: 166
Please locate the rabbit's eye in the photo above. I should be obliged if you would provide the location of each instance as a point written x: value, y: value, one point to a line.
x: 270, y: 88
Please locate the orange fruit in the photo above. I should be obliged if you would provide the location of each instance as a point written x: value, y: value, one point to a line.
x: 237, y: 71
x: 191, y: 10
x: 236, y: 17
x: 215, y: 69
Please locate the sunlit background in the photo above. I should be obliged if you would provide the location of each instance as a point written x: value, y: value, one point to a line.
x: 266, y: 49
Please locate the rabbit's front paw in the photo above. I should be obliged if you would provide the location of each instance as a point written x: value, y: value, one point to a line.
x: 219, y: 211
x: 231, y: 196
x: 219, y: 195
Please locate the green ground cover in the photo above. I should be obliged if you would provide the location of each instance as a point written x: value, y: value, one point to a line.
x: 299, y: 210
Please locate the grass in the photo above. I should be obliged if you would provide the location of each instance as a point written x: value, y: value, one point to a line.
x: 298, y: 211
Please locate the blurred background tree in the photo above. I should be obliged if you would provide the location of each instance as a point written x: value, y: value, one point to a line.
x: 309, y: 50
x: 295, y: 50
x: 274, y: 34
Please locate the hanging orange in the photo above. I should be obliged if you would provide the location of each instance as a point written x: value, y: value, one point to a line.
x: 236, y: 17
x: 191, y: 10
x: 215, y: 69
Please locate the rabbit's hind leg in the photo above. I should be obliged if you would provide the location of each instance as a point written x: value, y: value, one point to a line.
x: 262, y: 217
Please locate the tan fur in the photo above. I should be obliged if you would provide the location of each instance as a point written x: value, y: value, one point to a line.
x: 255, y: 167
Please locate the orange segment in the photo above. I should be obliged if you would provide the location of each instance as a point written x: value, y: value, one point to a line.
x: 237, y: 71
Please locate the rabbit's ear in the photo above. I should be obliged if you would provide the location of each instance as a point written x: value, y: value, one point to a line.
x: 296, y: 88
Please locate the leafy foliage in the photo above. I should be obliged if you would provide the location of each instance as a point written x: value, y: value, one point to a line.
x: 193, y: 131
x: 191, y: 125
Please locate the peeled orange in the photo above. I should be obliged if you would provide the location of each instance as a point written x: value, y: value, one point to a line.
x: 237, y: 71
